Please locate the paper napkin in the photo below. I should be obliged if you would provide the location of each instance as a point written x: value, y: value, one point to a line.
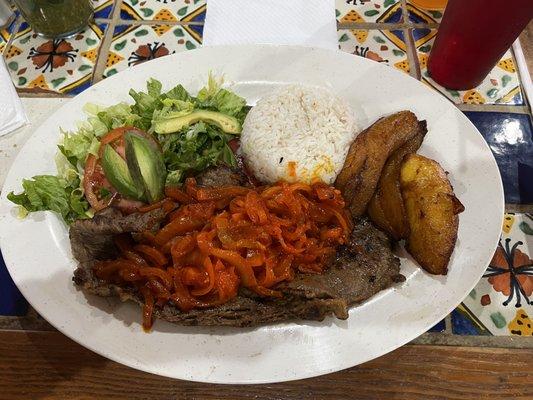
x: 297, y: 22
x: 12, y: 114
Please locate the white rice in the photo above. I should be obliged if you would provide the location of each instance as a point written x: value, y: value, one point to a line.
x: 298, y: 133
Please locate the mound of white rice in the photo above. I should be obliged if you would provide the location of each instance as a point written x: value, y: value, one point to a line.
x: 298, y: 133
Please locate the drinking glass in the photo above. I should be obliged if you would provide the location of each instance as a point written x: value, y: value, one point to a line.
x: 472, y: 38
x: 56, y: 18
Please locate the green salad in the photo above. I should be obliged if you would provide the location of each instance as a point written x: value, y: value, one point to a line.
x: 127, y: 153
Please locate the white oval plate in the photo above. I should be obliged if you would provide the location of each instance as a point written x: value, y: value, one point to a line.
x: 37, y: 249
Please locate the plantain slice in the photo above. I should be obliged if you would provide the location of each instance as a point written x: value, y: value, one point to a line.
x: 386, y: 208
x: 432, y: 212
x: 367, y: 156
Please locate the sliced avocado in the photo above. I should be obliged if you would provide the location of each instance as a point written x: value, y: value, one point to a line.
x: 146, y: 165
x: 225, y: 122
x: 116, y: 171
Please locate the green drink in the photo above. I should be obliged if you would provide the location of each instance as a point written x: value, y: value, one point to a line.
x: 56, y: 18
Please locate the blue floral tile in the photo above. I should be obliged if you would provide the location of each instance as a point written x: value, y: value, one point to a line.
x: 133, y: 45
x: 11, y: 300
x: 502, y: 301
x: 510, y: 138
x: 59, y: 65
x: 167, y: 10
x: 353, y: 11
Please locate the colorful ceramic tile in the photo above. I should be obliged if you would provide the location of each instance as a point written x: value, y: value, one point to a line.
x: 11, y: 300
x: 386, y: 47
x: 502, y: 301
x: 464, y: 322
x: 350, y: 11
x: 420, y: 15
x: 102, y: 8
x: 510, y: 137
x: 164, y: 10
x: 501, y: 86
x: 6, y: 33
x: 59, y: 65
x: 133, y: 45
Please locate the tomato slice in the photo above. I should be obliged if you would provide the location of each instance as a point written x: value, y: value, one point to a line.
x: 98, y: 191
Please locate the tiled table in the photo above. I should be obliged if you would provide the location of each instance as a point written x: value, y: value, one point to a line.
x: 498, y: 313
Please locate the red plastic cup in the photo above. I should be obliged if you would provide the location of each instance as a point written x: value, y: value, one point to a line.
x: 472, y: 38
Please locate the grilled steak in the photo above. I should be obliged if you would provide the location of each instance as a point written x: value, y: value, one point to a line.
x: 221, y: 176
x: 362, y: 268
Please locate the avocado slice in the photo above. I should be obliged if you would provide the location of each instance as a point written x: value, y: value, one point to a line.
x: 146, y: 165
x: 116, y: 171
x: 225, y: 122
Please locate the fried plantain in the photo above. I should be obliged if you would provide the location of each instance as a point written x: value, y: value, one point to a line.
x: 367, y: 156
x: 432, y: 212
x: 386, y: 208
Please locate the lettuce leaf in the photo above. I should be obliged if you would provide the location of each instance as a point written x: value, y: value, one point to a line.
x: 48, y: 192
x: 178, y: 92
x: 214, y: 97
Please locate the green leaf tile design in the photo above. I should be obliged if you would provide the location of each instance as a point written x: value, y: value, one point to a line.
x: 147, y: 12
x: 182, y: 11
x: 13, y: 65
x: 492, y: 93
x: 84, y: 67
x: 498, y: 319
x: 425, y: 49
x: 142, y: 32
x: 178, y: 32
x: 505, y: 80
x: 524, y: 227
x: 344, y: 38
x: 379, y: 39
x: 435, y: 14
x: 112, y: 71
x: 473, y: 294
x: 58, y: 81
x: 387, y: 3
x: 120, y: 45
x: 397, y: 53
x: 190, y: 45
x: 337, y: 13
x: 22, y: 81
x: 371, y: 13
x: 91, y: 42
